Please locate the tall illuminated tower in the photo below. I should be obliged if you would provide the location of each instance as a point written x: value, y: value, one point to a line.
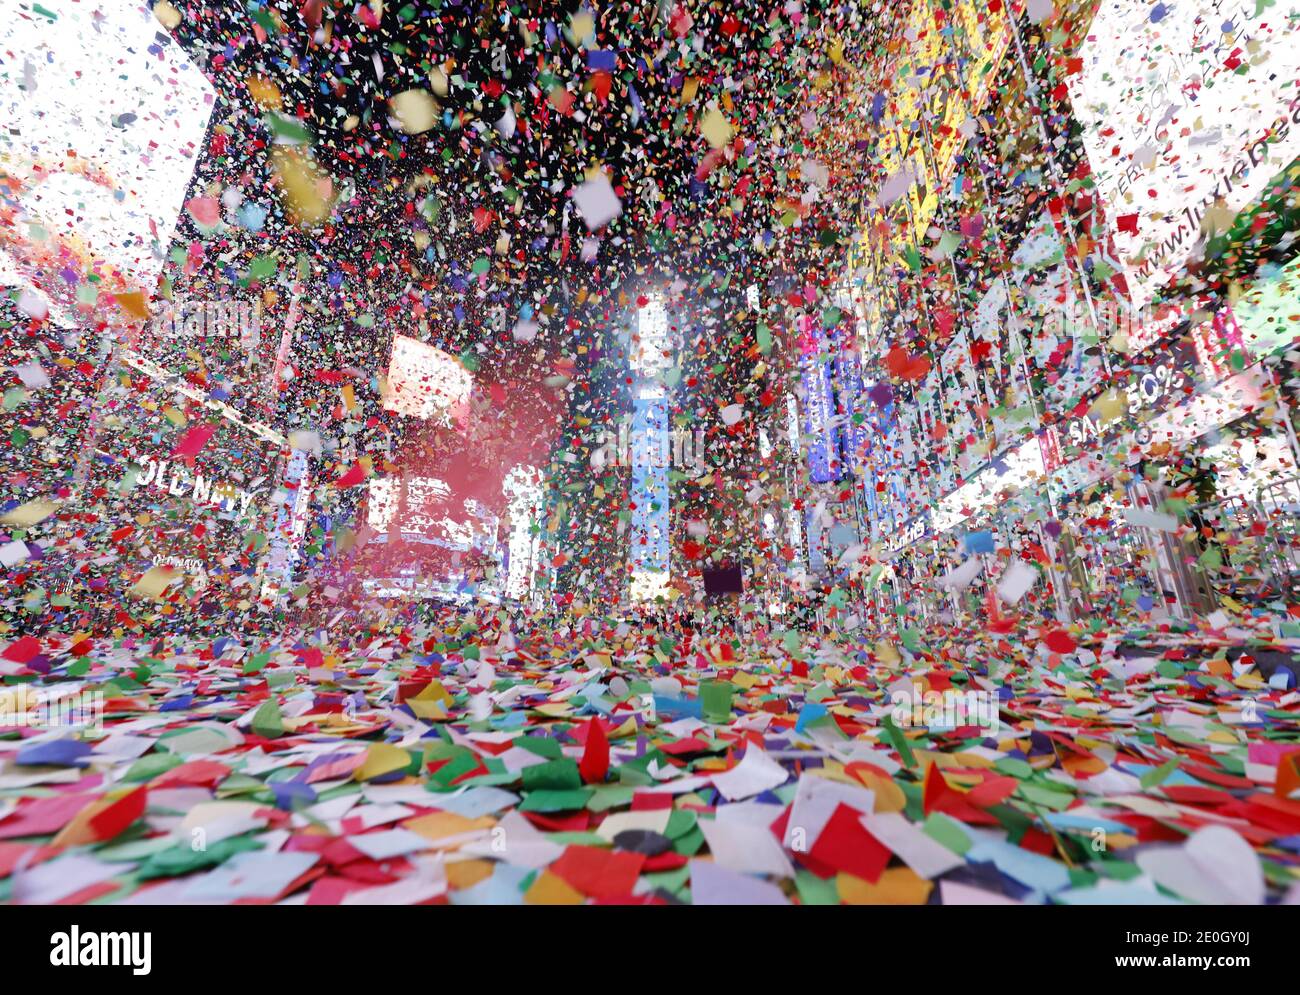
x: 651, y: 356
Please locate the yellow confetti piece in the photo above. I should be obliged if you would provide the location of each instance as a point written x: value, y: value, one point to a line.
x: 337, y: 722
x: 438, y: 81
x: 155, y: 581
x: 305, y: 191
x: 433, y: 692
x: 416, y: 111
x: 551, y: 889
x: 167, y: 15
x: 463, y: 874
x: 1110, y: 406
x: 79, y: 831
x: 441, y: 825
x: 554, y: 709
x: 432, y: 710
x: 628, y: 728
x: 381, y: 758
x: 581, y: 25
x: 712, y: 763
x: 264, y: 93
x: 834, y: 771
x: 972, y: 760
x: 925, y: 757
x: 715, y: 128
x: 29, y: 514
x: 897, y: 886
x: 133, y: 305
x: 889, y: 796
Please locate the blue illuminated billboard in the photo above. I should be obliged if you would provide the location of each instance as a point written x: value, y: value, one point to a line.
x: 650, y: 484
x: 852, y: 430
x: 819, y: 404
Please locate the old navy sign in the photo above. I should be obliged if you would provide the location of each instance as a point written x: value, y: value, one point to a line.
x: 177, y: 481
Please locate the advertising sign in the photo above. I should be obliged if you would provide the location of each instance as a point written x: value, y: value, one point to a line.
x: 819, y: 405
x: 1154, y: 382
x: 424, y: 381
x: 913, y: 531
x: 1020, y: 469
x: 650, y: 491
x: 962, y: 396
x: 851, y: 402
x: 878, y: 461
x: 423, y: 509
x: 1186, y: 106
x: 104, y: 119
x: 290, y: 523
x: 951, y: 55
x: 188, y: 482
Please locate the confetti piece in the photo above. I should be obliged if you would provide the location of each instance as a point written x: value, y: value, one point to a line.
x: 416, y: 111
x: 29, y: 513
x: 809, y: 455
x: 155, y: 581
x: 597, y: 203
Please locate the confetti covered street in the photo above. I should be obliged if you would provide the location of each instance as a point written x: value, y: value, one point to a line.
x: 664, y: 452
x: 474, y: 758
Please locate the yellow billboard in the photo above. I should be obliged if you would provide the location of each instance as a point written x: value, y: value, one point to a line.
x: 945, y: 74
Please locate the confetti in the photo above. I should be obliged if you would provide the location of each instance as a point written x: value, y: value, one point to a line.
x: 758, y: 454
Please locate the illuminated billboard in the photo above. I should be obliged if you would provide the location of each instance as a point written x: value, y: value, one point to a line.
x: 853, y: 433
x: 819, y: 404
x: 104, y: 118
x: 523, y: 487
x: 650, y: 491
x: 1020, y: 469
x: 424, y: 381
x: 650, y: 495
x: 290, y: 523
x: 418, y: 506
x: 1187, y: 108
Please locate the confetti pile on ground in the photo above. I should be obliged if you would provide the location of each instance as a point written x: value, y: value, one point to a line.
x: 672, y: 451
x: 474, y: 758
